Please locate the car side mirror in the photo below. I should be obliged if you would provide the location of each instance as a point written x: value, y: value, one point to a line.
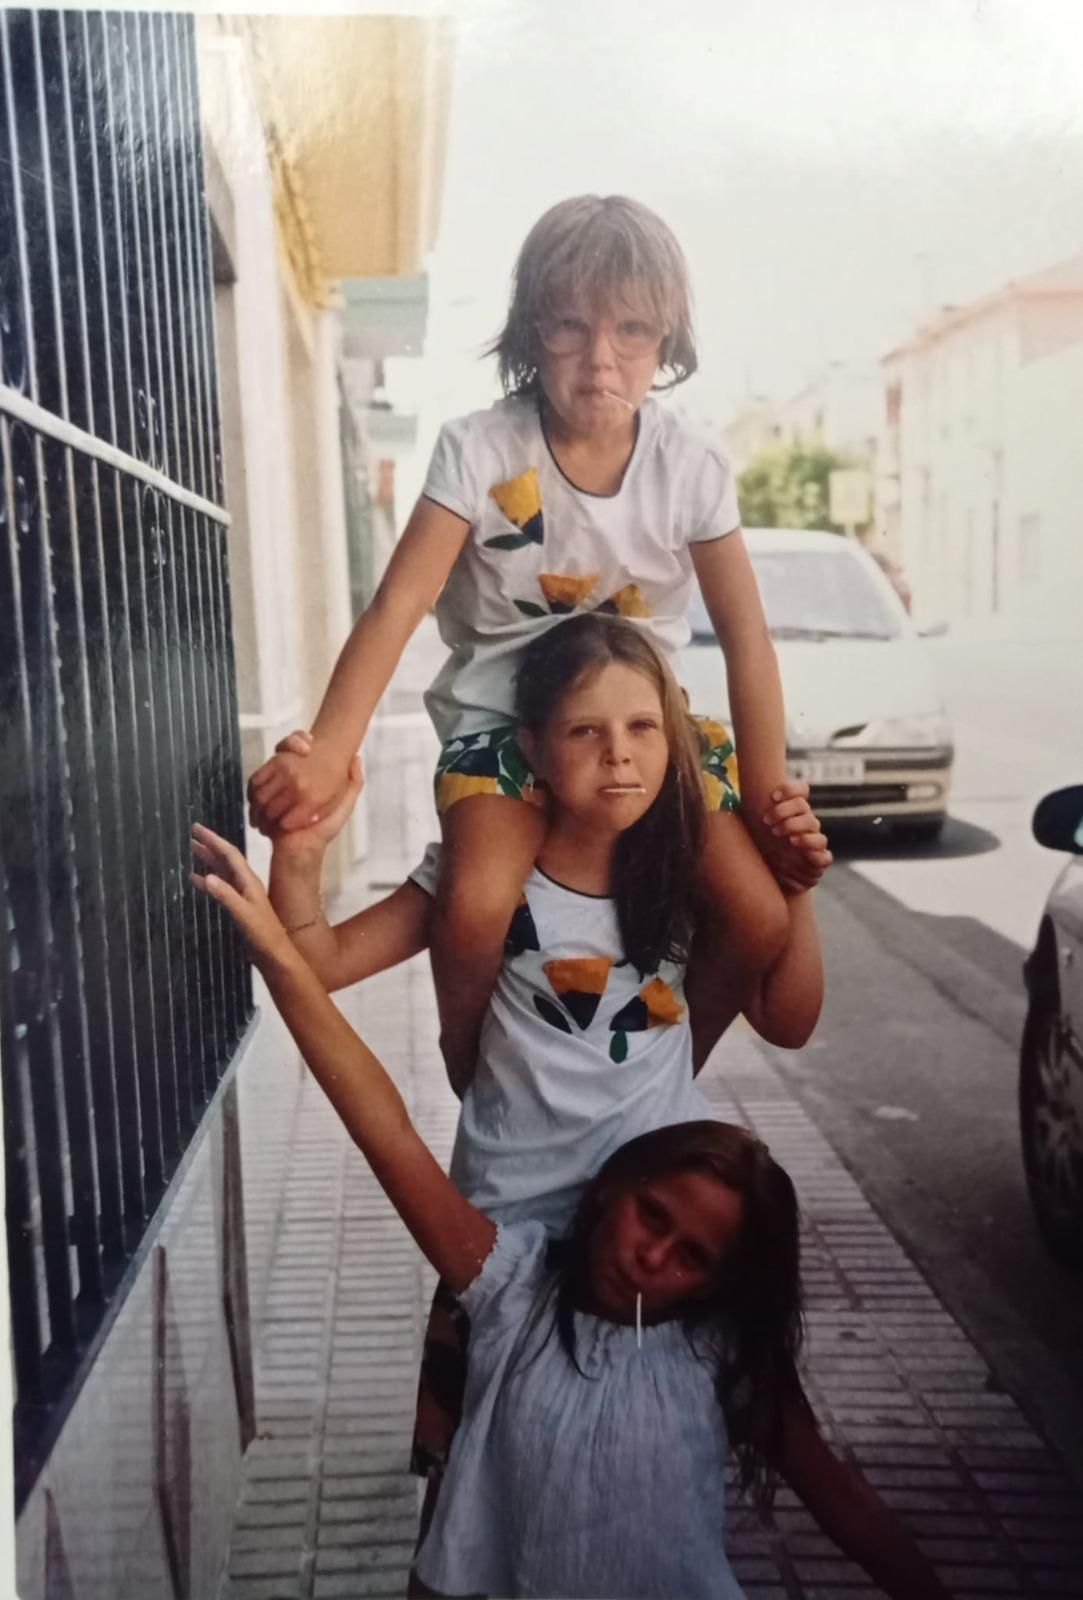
x: 1058, y: 820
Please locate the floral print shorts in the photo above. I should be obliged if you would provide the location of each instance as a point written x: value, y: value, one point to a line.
x: 491, y: 762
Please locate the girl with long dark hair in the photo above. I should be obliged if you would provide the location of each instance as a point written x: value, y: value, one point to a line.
x: 587, y: 1040
x: 593, y: 1463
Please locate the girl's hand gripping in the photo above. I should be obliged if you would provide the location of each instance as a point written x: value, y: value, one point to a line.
x: 301, y: 782
x: 791, y: 818
x: 314, y: 837
x: 230, y: 880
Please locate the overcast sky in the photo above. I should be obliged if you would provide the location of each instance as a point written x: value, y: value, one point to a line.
x: 831, y: 167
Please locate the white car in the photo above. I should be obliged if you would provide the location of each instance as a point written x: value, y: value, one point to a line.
x: 865, y: 718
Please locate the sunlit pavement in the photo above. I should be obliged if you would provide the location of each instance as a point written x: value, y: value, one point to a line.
x: 328, y: 1508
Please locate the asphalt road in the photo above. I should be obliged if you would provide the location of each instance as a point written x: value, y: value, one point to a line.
x: 912, y: 1071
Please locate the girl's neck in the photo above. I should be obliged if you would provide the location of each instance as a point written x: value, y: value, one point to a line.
x: 594, y: 462
x: 578, y: 857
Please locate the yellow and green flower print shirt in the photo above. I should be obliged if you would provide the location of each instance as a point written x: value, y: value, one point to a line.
x: 540, y: 549
x: 579, y: 1053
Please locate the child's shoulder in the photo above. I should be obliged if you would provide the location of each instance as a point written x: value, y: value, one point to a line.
x: 505, y: 422
x: 680, y: 439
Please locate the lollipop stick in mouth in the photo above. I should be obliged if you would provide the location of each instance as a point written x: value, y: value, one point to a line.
x: 619, y: 398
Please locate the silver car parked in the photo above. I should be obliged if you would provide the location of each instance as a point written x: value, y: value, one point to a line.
x: 865, y: 719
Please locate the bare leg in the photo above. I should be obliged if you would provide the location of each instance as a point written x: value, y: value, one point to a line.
x: 490, y: 843
x: 742, y: 928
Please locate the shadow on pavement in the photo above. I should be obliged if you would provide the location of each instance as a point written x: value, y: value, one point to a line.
x: 851, y: 841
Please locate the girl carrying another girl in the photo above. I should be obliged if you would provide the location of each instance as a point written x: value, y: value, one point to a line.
x: 608, y: 1376
x: 577, y: 492
x: 587, y: 1041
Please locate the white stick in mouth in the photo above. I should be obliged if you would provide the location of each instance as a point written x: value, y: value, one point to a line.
x: 619, y: 398
x: 639, y: 1322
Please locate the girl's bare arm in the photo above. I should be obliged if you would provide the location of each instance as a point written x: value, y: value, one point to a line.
x: 289, y: 789
x: 851, y: 1513
x: 780, y: 997
x: 783, y: 1004
x: 392, y: 930
x: 732, y: 598
x: 381, y: 936
x: 454, y: 1235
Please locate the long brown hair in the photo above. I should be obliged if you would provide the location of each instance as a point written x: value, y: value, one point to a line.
x: 750, y: 1321
x: 588, y: 250
x: 654, y: 866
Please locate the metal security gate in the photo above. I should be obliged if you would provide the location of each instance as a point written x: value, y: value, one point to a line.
x: 123, y: 994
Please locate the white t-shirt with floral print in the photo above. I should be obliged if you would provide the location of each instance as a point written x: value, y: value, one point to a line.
x: 540, y: 549
x: 579, y: 1053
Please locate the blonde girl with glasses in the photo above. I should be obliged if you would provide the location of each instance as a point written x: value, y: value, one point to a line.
x: 577, y: 492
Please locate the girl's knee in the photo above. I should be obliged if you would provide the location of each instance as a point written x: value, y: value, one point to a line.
x: 475, y: 902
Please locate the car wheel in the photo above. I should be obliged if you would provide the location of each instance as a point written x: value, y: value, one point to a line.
x: 921, y: 832
x: 1050, y: 1126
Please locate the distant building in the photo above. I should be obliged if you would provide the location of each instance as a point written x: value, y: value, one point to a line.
x: 978, y: 487
x: 838, y: 407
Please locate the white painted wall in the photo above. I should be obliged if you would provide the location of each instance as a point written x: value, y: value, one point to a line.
x: 988, y: 523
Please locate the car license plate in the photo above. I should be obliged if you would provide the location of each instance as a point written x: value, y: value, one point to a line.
x: 828, y: 769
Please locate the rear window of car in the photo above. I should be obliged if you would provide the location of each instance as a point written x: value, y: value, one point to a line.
x: 816, y: 594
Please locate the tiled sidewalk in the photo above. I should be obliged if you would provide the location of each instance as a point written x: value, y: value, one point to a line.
x: 328, y: 1508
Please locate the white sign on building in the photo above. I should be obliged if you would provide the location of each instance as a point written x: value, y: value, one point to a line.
x: 850, y: 496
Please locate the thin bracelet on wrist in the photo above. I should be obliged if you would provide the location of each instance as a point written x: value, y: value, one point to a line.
x: 299, y: 927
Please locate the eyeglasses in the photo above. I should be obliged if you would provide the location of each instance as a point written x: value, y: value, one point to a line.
x: 570, y: 336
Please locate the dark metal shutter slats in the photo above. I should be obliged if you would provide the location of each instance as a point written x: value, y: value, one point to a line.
x: 122, y: 993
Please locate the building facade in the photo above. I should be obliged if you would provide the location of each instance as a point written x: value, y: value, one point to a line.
x: 976, y: 463
x: 838, y: 407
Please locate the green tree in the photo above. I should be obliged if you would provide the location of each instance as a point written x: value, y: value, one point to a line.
x: 787, y: 487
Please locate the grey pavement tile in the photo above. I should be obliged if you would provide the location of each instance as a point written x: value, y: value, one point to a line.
x: 1069, y: 1525
x: 361, y: 1485
x: 369, y: 1508
x: 292, y: 1466
x: 263, y: 1491
x: 1062, y: 1584
x: 265, y: 1562
x: 935, y: 1498
x: 369, y: 1419
x: 368, y: 1557
x: 273, y: 1514
x: 979, y: 1580
x: 372, y: 1531
x: 285, y: 1427
x: 1048, y: 1553
x: 859, y: 1591
x: 762, y: 1569
x: 381, y: 1585
x: 262, y: 1588
x: 268, y: 1536
x: 948, y: 1548
x: 941, y: 1524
